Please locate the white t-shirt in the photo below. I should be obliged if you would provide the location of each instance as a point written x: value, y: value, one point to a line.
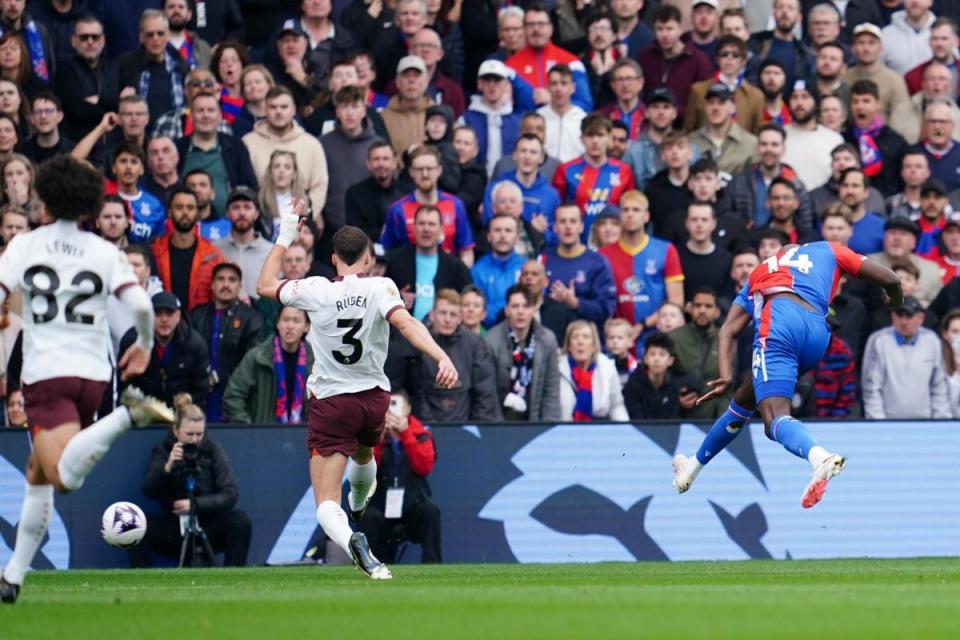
x: 349, y: 331
x: 66, y: 275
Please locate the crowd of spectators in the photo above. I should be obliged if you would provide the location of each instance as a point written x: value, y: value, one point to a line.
x: 568, y: 192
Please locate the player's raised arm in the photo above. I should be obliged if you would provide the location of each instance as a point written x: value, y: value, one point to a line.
x: 414, y: 331
x: 736, y: 321
x: 875, y: 273
x: 290, y: 222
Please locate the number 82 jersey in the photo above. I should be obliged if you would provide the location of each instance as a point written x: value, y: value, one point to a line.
x: 349, y: 330
x: 66, y: 276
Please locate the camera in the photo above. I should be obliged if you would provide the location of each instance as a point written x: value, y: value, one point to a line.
x: 191, y: 457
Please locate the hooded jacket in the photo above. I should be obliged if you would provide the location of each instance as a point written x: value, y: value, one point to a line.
x: 182, y: 367
x: 311, y: 160
x: 903, y: 46
x: 349, y: 168
x: 451, y: 176
x: 497, y: 130
x: 405, y: 124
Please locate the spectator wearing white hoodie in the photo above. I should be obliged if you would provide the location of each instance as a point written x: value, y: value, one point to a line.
x: 491, y: 114
x: 562, y: 116
x: 906, y: 40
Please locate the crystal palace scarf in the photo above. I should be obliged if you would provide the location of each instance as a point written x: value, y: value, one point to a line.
x: 870, y: 154
x: 583, y: 381
x: 296, y: 406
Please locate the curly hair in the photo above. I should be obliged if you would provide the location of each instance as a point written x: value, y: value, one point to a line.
x: 71, y: 189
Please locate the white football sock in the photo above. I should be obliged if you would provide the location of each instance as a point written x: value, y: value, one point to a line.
x: 34, y: 515
x: 816, y: 455
x: 695, y: 467
x: 88, y: 447
x: 361, y: 477
x: 333, y: 519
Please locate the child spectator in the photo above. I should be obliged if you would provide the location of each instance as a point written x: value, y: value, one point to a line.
x: 651, y: 392
x: 669, y: 317
x: 620, y: 338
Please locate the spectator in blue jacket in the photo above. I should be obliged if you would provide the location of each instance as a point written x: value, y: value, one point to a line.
x: 491, y: 114
x: 579, y: 278
x: 498, y: 270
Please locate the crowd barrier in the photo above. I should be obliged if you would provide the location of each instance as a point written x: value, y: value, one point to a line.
x: 569, y: 493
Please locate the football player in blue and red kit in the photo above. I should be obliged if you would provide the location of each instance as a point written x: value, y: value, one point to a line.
x: 787, y: 296
x: 593, y: 180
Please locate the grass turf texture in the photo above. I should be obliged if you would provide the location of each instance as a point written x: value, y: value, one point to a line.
x: 753, y: 599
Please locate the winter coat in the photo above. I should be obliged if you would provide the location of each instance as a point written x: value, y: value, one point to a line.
x: 75, y: 82
x: 349, y: 168
x: 240, y: 330
x: 543, y: 392
x: 678, y: 74
x: 494, y: 276
x: 367, y: 202
x: 483, y: 118
x: 205, y: 258
x: 216, y: 490
x: 187, y: 369
x: 646, y: 402
x: 748, y: 98
x: 607, y: 396
x: 892, y: 148
x: 251, y: 393
x: 743, y: 192
x: 311, y: 160
x: 475, y: 397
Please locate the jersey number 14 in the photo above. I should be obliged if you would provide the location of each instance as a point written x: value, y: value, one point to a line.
x: 801, y: 263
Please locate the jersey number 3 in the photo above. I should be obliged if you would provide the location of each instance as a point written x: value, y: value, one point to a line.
x: 49, y: 294
x: 349, y: 340
x: 801, y: 263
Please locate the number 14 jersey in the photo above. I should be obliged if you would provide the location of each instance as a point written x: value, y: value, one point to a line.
x: 349, y: 331
x: 66, y: 276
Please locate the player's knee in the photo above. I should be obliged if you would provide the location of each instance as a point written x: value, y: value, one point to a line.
x: 363, y: 455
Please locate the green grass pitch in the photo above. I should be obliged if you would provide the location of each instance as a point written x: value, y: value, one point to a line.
x: 839, y: 599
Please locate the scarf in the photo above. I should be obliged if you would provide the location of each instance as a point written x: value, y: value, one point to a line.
x: 736, y: 83
x: 782, y: 119
x: 583, y: 381
x: 38, y: 59
x: 522, y: 369
x: 230, y: 105
x: 186, y: 51
x: 296, y: 407
x: 870, y: 155
x: 633, y: 119
x: 176, y: 82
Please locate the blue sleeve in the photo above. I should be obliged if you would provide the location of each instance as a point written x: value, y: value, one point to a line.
x: 488, y: 201
x: 464, y: 237
x: 581, y: 95
x: 743, y: 299
x: 522, y: 94
x: 552, y: 201
x: 394, y: 232
x: 602, y: 291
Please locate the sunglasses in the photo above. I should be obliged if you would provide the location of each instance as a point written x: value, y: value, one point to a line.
x: 89, y: 37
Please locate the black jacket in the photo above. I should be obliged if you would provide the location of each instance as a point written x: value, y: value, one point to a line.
x: 129, y: 67
x: 223, y: 21
x: 216, y: 490
x: 240, y: 331
x: 77, y: 81
x: 236, y: 160
x: 804, y: 62
x: 262, y: 17
x: 59, y: 25
x: 367, y: 203
x: 402, y: 267
x: 473, y: 184
x: 892, y: 148
x: 322, y: 58
x: 186, y: 371
x: 646, y: 402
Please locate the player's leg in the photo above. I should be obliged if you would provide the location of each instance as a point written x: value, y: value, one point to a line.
x: 721, y: 434
x: 362, y: 476
x: 326, y: 476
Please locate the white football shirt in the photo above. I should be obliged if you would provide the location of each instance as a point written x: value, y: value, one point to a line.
x: 349, y: 330
x: 66, y: 275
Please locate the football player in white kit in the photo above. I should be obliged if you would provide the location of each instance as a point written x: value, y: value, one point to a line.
x: 66, y: 276
x: 348, y: 391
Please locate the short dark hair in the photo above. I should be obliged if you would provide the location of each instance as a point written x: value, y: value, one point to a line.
x: 945, y: 21
x: 529, y: 137
x: 138, y: 249
x: 526, y: 293
x: 846, y: 146
x: 865, y: 88
x: 732, y: 41
x: 659, y: 340
x: 180, y: 191
x: 348, y: 95
x: 129, y: 148
x: 666, y: 13
x: 279, y: 90
x: 599, y: 16
x: 112, y: 199
x: 850, y: 170
x: 207, y: 94
x: 428, y: 208
x: 772, y: 126
x: 350, y: 244
x: 562, y: 69
x: 619, y: 124
x: 472, y: 288
x: 783, y: 182
x: 772, y: 233
x: 593, y: 123
x: 704, y: 290
x: 71, y: 189
x: 49, y: 96
x: 701, y: 203
x: 380, y: 143
x: 198, y: 172
x: 704, y: 164
x: 833, y: 44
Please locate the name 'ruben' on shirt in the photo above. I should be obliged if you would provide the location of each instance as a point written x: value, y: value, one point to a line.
x: 351, y: 301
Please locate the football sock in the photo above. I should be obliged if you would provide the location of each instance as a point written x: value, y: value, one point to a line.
x: 333, y: 520
x: 722, y: 433
x: 817, y: 455
x: 88, y: 447
x: 794, y: 437
x: 34, y: 515
x: 361, y: 477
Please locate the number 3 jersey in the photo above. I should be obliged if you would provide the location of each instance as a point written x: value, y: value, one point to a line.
x: 349, y: 332
x: 66, y: 275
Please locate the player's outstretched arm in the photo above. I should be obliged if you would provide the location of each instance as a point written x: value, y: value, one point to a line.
x: 136, y: 358
x: 414, y: 331
x: 875, y: 273
x: 736, y: 321
x: 290, y: 223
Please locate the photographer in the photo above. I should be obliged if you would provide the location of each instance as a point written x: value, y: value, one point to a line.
x: 401, y: 509
x: 184, y: 452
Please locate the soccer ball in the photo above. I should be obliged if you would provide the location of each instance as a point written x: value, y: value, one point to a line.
x: 123, y: 525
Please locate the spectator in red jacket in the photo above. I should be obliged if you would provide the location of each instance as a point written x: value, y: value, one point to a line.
x: 401, y: 508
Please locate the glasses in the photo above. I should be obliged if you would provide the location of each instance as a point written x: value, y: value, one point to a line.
x: 197, y: 84
x: 786, y: 198
x: 728, y: 54
x: 424, y: 46
x: 89, y: 37
x: 600, y: 28
x: 537, y: 25
x: 154, y: 34
x: 49, y: 111
x: 939, y: 123
x: 626, y: 79
x: 132, y: 114
x: 423, y: 169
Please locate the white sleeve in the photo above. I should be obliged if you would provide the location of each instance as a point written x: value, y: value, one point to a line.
x: 135, y: 297
x: 389, y: 298
x: 303, y: 294
x: 121, y: 274
x: 10, y: 268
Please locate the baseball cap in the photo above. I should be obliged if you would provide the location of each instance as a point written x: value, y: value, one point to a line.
x: 242, y: 192
x: 933, y: 186
x: 718, y: 90
x: 411, y: 62
x: 661, y: 94
x: 166, y: 300
x: 951, y: 219
x: 808, y: 87
x: 712, y: 3
x: 228, y: 265
x: 903, y: 223
x: 493, y: 68
x: 609, y: 211
x: 868, y: 28
x: 292, y: 26
x: 909, y: 305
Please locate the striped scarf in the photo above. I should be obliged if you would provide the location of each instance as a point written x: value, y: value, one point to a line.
x: 38, y: 59
x: 230, y: 105
x: 782, y: 119
x: 176, y: 82
x: 870, y: 155
x: 296, y: 406
x: 583, y: 381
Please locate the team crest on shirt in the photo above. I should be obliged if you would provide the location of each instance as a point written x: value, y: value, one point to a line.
x: 527, y: 69
x: 615, y: 180
x: 633, y: 285
x: 392, y: 292
x: 580, y: 278
x: 651, y: 268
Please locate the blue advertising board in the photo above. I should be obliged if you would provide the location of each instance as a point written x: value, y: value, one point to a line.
x: 569, y: 493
